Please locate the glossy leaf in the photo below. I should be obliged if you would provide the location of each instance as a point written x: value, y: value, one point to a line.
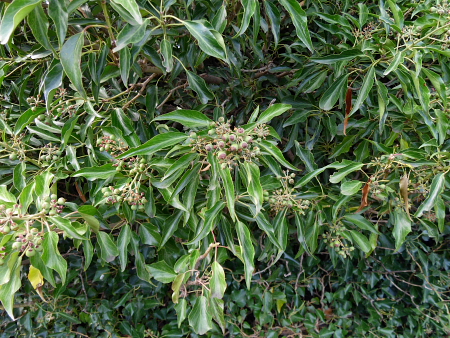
x: 108, y: 249
x: 248, y: 251
x: 162, y: 272
x: 51, y: 256
x: 299, y: 20
x: 71, y: 59
x: 155, y: 144
x: 197, y: 84
x: 57, y: 11
x: 272, y: 112
x: 212, y: 44
x: 188, y: 118
x: 14, y: 14
x: 200, y: 317
x: 332, y: 94
x: 435, y: 190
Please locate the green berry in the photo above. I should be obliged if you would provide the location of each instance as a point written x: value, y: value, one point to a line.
x: 53, y: 196
x: 30, y: 252
x: 16, y: 245
x: 13, y: 156
x: 52, y: 213
x: 134, y: 207
x: 61, y: 201
x: 41, y: 117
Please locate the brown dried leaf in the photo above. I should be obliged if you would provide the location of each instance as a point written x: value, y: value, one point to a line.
x: 365, y: 196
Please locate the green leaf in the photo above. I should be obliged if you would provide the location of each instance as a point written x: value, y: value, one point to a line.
x: 198, y: 85
x: 124, y: 65
x: 344, y: 146
x: 275, y: 20
x: 210, y: 41
x: 132, y: 8
x: 402, y: 227
x: 108, y: 249
x: 14, y: 14
x: 350, y: 187
x: 347, y: 55
x: 332, y: 94
x: 19, y: 176
x: 228, y: 185
x: 361, y: 241
x: 57, y: 11
x: 130, y: 34
x: 26, y: 197
x: 52, y: 81
x: 26, y: 118
x: 273, y: 111
x: 249, y: 10
x: 66, y: 226
x: 71, y: 60
x: 170, y: 226
x: 217, y: 283
x: 217, y: 313
x: 209, y: 222
x: 181, y: 310
x: 66, y: 132
x: 435, y: 191
x: 398, y: 59
x: 5, y: 195
x: 155, y: 144
x: 254, y: 187
x: 366, y: 87
x: 162, y: 272
x: 299, y: 20
x: 273, y: 151
x: 200, y: 317
x: 38, y: 22
x: 8, y: 290
x: 166, y: 52
x: 188, y: 118
x: 248, y: 251
x: 94, y: 173
x: 361, y: 222
x: 51, y: 256
x: 6, y: 268
x: 308, y: 177
x: 342, y: 173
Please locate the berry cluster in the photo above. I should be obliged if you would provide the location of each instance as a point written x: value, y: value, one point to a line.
x: 230, y: 145
x: 2, y: 255
x: 441, y: 9
x: 111, y: 145
x: 335, y: 240
x: 53, y: 205
x: 7, y: 224
x: 285, y: 197
x: 133, y: 165
x: 134, y: 198
x: 30, y: 242
x: 49, y: 153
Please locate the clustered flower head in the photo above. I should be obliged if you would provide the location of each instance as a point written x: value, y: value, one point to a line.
x: 335, y: 240
x: 49, y: 153
x: 285, y: 197
x: 28, y: 242
x: 230, y: 145
x: 132, y: 165
x: 6, y: 222
x: 133, y: 197
x: 53, y: 205
x: 111, y: 145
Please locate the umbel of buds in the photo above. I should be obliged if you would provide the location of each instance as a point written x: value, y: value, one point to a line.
x: 134, y: 198
x: 52, y: 205
x: 230, y: 145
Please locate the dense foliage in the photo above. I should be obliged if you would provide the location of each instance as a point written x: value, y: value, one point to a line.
x: 239, y: 168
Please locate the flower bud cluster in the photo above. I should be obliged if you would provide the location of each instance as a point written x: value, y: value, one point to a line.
x: 285, y: 197
x: 134, y: 198
x: 6, y: 222
x: 29, y: 242
x: 335, y: 240
x: 230, y: 145
x: 111, y: 145
x: 52, y: 205
x: 132, y: 165
x: 49, y: 154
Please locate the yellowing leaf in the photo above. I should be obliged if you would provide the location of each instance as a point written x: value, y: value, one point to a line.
x: 35, y: 277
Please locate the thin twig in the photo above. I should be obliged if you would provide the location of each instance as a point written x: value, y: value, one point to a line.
x: 170, y: 94
x: 141, y: 91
